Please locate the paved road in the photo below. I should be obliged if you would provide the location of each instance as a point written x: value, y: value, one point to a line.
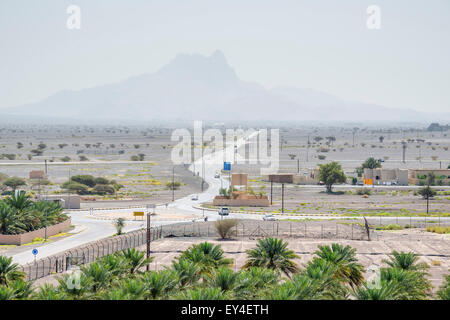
x: 95, y: 229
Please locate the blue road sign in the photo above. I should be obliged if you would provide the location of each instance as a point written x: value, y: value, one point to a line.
x: 227, y: 166
x: 35, y: 251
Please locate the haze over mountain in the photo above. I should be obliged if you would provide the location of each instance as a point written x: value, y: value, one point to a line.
x: 199, y: 87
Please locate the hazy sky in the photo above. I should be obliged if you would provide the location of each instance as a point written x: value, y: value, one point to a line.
x: 320, y: 44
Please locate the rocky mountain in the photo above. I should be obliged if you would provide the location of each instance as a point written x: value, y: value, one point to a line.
x: 205, y: 88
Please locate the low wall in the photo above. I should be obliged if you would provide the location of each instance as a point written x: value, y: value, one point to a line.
x: 258, y: 202
x: 19, y: 239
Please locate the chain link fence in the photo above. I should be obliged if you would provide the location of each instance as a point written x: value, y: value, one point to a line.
x: 353, y: 229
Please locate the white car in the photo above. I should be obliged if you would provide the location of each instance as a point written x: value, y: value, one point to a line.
x: 194, y: 197
x: 269, y: 217
x: 224, y: 211
x: 217, y: 176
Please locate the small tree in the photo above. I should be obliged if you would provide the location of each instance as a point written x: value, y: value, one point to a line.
x: 427, y: 193
x: 331, y: 173
x: 225, y: 228
x: 14, y: 183
x: 119, y: 224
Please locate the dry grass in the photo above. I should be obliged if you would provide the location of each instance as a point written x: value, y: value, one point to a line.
x: 440, y: 230
x: 225, y: 228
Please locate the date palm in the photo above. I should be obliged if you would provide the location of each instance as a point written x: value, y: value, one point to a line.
x: 406, y: 261
x: 273, y: 254
x: 255, y: 282
x: 10, y: 221
x: 326, y: 274
x: 119, y: 224
x: 412, y: 285
x: 19, y: 201
x: 188, y: 272
x: 386, y: 291
x: 9, y: 271
x: 300, y: 288
x: 344, y: 259
x: 203, y: 294
x: 223, y: 278
x: 444, y: 290
x: 48, y: 292
x: 207, y: 255
x: 158, y: 285
x: 135, y: 259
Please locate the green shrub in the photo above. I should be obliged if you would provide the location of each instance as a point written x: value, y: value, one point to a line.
x: 103, y: 189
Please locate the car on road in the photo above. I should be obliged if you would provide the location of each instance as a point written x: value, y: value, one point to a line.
x: 194, y: 197
x: 217, y: 176
x: 224, y: 211
x: 269, y: 217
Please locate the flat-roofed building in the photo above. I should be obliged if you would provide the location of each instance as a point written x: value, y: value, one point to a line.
x: 420, y: 176
x: 380, y: 176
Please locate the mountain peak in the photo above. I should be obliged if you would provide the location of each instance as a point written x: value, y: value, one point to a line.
x: 214, y: 69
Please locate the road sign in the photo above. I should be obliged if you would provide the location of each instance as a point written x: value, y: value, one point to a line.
x: 34, y: 252
x: 227, y: 166
x: 138, y: 213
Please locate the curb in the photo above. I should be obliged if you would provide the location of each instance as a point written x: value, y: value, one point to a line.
x: 275, y: 213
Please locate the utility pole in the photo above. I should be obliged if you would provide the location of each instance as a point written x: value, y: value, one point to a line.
x: 68, y: 191
x: 271, y: 191
x: 298, y: 165
x: 404, y: 151
x: 45, y: 225
x: 282, y: 198
x: 148, y: 239
x: 173, y: 183
x: 45, y: 166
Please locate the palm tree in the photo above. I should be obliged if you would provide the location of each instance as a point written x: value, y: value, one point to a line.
x: 9, y: 271
x: 255, y: 282
x: 344, y: 259
x: 203, y: 294
x: 326, y: 274
x: 223, y: 278
x: 22, y: 289
x: 115, y: 263
x: 49, y: 292
x: 7, y: 293
x: 132, y: 289
x: 21, y: 201
x: 136, y: 259
x: 188, y: 272
x: 158, y: 285
x: 444, y: 291
x: 406, y: 261
x: 207, y: 255
x: 386, y: 291
x: 300, y: 288
x: 273, y: 254
x: 100, y: 275
x: 412, y: 285
x: 119, y: 224
x: 10, y: 221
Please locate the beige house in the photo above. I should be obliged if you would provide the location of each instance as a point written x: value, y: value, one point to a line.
x: 380, y: 176
x: 241, y: 198
x: 442, y: 176
x: 308, y: 176
x: 68, y: 202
